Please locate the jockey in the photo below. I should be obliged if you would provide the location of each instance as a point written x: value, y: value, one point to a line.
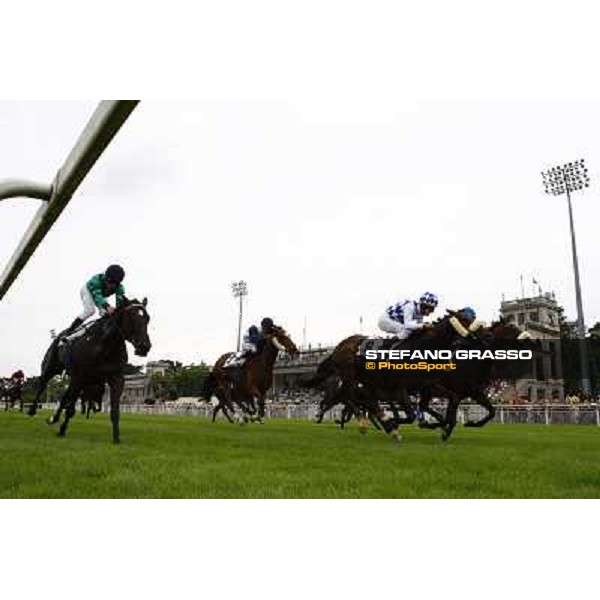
x: 468, y: 314
x: 17, y: 378
x: 253, y: 342
x: 95, y: 292
x: 406, y: 317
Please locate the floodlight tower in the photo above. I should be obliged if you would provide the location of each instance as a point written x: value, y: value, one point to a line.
x: 565, y: 179
x: 240, y: 289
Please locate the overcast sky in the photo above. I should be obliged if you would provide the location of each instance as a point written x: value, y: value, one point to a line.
x: 331, y: 199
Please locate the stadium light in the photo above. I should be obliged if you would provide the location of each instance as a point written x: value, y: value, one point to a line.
x: 565, y: 179
x: 240, y: 289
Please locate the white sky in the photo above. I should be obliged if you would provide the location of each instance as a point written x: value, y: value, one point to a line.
x: 337, y: 166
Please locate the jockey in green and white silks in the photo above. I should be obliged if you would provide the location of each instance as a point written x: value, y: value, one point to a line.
x: 95, y: 292
x: 406, y: 317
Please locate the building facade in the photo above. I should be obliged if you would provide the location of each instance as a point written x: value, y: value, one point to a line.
x: 138, y: 387
x: 289, y: 372
x: 538, y: 315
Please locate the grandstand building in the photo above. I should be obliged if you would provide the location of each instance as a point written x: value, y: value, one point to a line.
x: 138, y: 387
x: 539, y: 315
x: 288, y: 371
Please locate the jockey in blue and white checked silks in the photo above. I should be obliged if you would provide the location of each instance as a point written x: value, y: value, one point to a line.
x: 405, y: 317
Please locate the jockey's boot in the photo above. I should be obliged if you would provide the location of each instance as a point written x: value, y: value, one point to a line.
x: 74, y: 325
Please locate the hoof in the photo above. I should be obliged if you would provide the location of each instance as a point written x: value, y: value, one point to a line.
x: 32, y: 412
x: 117, y: 441
x: 51, y: 421
x: 363, y: 430
x: 61, y: 434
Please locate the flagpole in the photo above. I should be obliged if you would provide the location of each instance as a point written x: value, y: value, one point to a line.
x: 522, y: 288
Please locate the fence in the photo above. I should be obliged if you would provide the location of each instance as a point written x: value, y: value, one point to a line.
x: 533, y: 414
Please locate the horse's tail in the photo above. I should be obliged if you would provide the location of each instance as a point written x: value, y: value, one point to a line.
x: 325, y: 370
x: 51, y: 366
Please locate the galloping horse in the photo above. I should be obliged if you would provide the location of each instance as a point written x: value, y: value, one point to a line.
x: 474, y: 379
x: 361, y: 394
x: 96, y: 357
x: 11, y: 393
x: 246, y: 386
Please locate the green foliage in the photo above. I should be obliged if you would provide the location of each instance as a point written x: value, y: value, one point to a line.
x: 188, y: 457
x: 179, y: 381
x: 132, y: 369
x: 570, y: 355
x: 54, y: 391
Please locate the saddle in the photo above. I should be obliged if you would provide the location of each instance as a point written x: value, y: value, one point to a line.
x: 69, y: 337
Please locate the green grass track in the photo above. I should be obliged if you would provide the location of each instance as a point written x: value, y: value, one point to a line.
x: 188, y: 457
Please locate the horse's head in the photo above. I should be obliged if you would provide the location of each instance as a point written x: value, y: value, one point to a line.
x: 133, y: 320
x: 281, y: 340
x: 448, y: 326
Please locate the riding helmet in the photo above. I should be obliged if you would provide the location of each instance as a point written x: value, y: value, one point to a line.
x: 267, y: 323
x: 469, y: 313
x: 429, y: 299
x: 115, y: 273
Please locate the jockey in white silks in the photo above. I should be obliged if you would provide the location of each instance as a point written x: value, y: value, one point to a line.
x: 405, y: 317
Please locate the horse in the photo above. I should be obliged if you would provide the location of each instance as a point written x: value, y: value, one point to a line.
x: 246, y: 386
x: 96, y: 357
x: 11, y: 393
x: 364, y: 394
x: 475, y: 378
x: 217, y: 384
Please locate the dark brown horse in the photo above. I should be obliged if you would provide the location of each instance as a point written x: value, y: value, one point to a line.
x: 11, y: 393
x: 341, y: 376
x: 246, y: 386
x: 97, y: 357
x: 475, y: 379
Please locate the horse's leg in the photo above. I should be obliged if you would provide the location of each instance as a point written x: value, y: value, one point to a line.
x: 320, y: 413
x: 69, y: 413
x: 405, y: 406
x: 344, y: 416
x: 486, y: 403
x: 62, y: 404
x: 451, y: 411
x: 425, y: 397
x: 116, y: 384
x: 68, y: 403
x: 36, y: 402
x: 261, y: 409
x: 215, y: 412
x: 391, y: 425
x: 228, y: 415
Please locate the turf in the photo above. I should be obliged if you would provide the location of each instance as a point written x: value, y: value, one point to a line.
x: 188, y: 457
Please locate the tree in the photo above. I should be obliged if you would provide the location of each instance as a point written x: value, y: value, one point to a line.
x: 180, y: 380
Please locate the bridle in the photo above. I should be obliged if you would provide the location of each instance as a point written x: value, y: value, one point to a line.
x: 115, y: 318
